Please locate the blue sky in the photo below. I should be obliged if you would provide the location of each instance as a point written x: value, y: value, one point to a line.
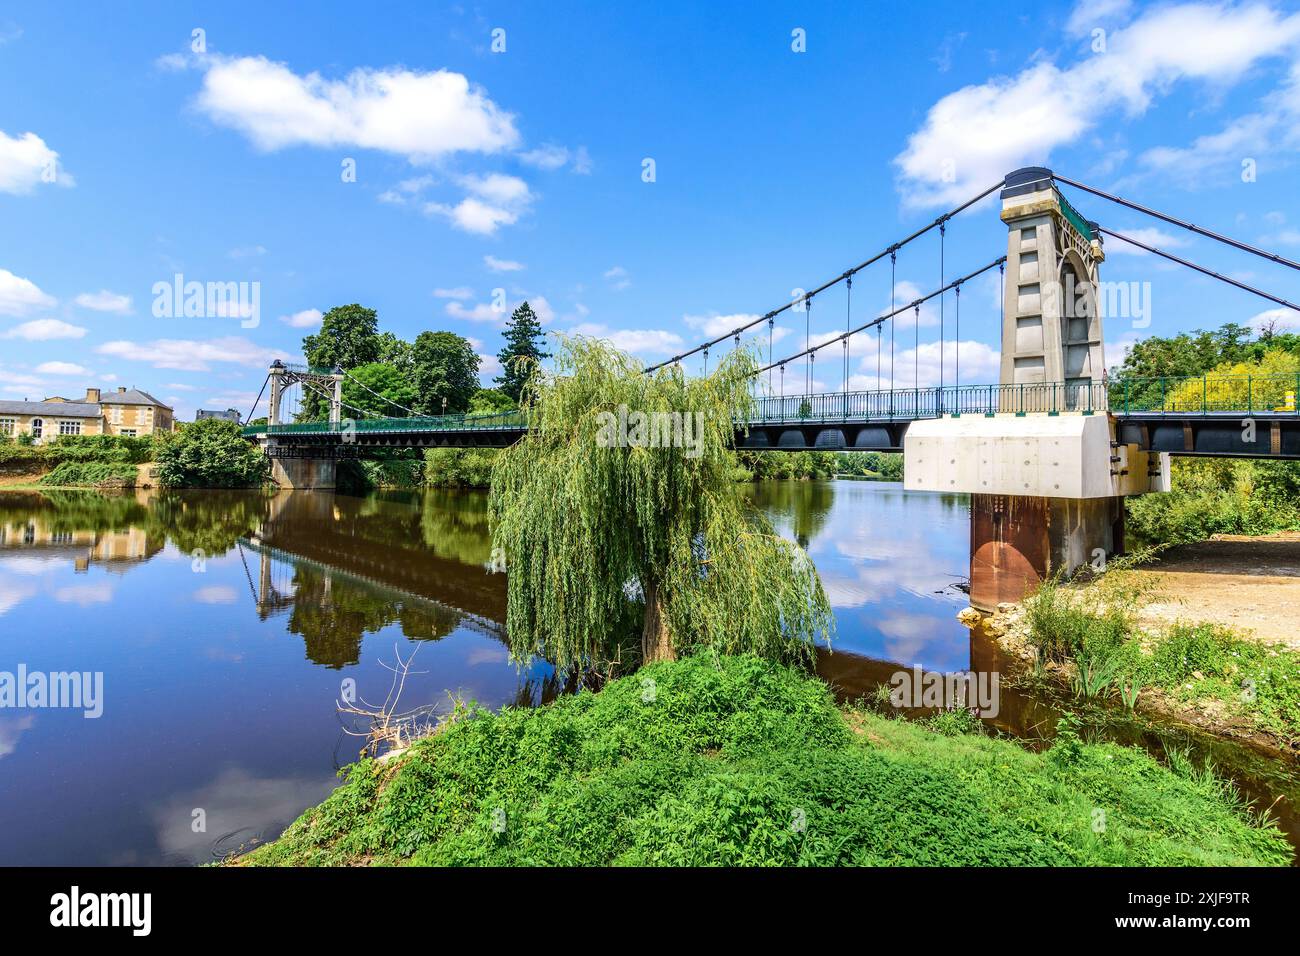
x: 523, y: 170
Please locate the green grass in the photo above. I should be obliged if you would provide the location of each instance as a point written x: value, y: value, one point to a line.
x: 1114, y: 657
x: 742, y: 762
x: 73, y: 474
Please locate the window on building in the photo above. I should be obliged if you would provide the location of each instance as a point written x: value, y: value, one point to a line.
x: 128, y: 432
x: 70, y: 428
x: 8, y: 426
x: 38, y: 427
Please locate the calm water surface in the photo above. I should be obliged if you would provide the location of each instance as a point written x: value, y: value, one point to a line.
x: 226, y: 623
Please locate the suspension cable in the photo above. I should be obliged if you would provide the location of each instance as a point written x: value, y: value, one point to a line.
x: 942, y: 230
x: 807, y: 339
x: 957, y: 335
x: 361, y: 384
x: 916, y: 348
x: 1236, y: 244
x: 893, y: 296
x: 888, y: 251
x: 916, y: 303
x: 848, y: 319
x: 258, y: 400
x: 1202, y: 269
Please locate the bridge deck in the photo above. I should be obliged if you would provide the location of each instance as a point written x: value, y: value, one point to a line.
x: 1207, y: 416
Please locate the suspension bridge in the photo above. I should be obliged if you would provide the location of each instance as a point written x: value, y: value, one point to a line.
x: 1047, y: 453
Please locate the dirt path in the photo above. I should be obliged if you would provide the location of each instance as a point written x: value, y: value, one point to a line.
x: 1249, y: 584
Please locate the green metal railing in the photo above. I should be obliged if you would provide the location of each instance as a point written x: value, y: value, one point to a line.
x: 1175, y: 395
x: 498, y: 421
x: 1207, y: 394
x: 913, y: 403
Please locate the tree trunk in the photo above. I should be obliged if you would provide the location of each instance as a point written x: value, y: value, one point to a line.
x: 656, y: 642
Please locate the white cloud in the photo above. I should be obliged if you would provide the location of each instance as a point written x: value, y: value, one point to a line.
x: 460, y: 292
x: 643, y: 341
x: 192, y: 355
x: 105, y: 301
x: 486, y: 312
x: 1088, y: 15
x: 502, y: 265
x: 546, y: 156
x: 549, y: 156
x: 247, y: 252
x: 20, y: 297
x: 713, y: 325
x: 84, y: 594
x: 478, y: 312
x: 618, y: 278
x: 980, y: 363
x: 44, y: 330
x: 26, y: 162
x: 216, y: 594
x: 406, y: 190
x: 62, y: 368
x: 497, y: 200
x: 974, y: 136
x: 304, y: 319
x: 422, y: 116
x: 1151, y: 236
x: 1276, y: 320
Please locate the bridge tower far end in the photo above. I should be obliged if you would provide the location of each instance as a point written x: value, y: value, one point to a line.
x: 1051, y: 330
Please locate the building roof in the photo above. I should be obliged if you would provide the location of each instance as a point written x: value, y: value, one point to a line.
x: 52, y: 409
x: 132, y: 396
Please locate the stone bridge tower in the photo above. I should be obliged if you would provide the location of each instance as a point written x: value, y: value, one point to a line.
x: 1046, y: 473
x: 1052, y: 330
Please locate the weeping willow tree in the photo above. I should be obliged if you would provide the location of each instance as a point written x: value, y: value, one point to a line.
x: 617, y: 506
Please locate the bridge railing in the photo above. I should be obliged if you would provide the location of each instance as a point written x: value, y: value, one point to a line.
x: 1207, y: 394
x: 910, y: 404
x: 510, y: 420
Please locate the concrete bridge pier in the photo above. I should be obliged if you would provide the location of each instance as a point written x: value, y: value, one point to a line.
x: 300, y: 472
x: 1016, y: 541
x: 1047, y: 491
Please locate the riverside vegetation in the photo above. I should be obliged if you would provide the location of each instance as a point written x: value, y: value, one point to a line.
x: 738, y: 761
x: 716, y: 750
x: 211, y: 453
x: 1230, y: 681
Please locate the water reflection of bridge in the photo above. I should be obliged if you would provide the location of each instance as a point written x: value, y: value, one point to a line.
x: 342, y: 567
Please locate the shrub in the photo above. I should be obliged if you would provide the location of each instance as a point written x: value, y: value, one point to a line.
x: 459, y: 467
x: 211, y: 453
x: 89, y: 473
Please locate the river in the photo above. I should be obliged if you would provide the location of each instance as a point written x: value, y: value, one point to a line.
x: 227, y: 626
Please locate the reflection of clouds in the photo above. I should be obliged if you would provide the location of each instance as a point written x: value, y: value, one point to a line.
x: 910, y: 634
x: 84, y: 594
x: 238, y: 805
x: 216, y: 594
x: 13, y: 593
x: 487, y: 655
x: 11, y: 728
x: 26, y: 564
x: 887, y: 559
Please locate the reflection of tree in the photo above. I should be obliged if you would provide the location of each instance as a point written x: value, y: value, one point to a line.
x: 806, y: 504
x: 72, y: 511
x: 210, y: 521
x: 454, y: 524
x: 333, y: 615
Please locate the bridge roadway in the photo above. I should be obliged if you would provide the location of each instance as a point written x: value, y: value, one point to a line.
x: 1204, y: 416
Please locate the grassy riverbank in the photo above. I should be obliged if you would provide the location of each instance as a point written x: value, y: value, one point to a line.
x: 1092, y: 636
x: 749, y: 763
